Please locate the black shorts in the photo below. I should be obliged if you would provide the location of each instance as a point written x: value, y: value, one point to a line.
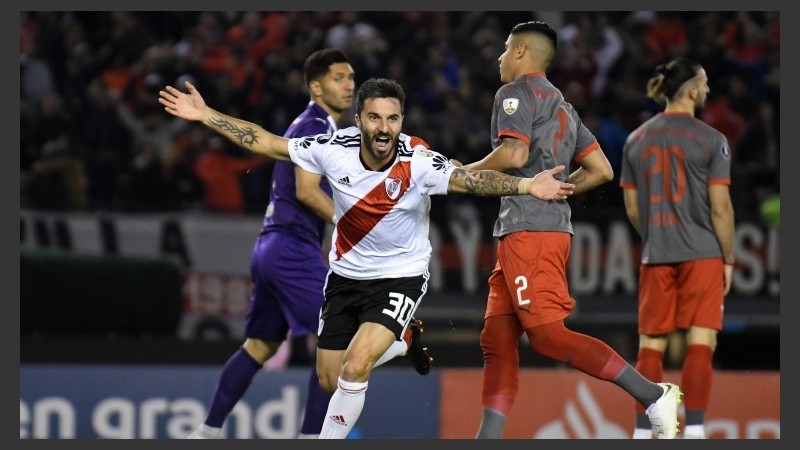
x: 390, y: 302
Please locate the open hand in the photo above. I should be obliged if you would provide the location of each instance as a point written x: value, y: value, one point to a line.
x: 189, y: 106
x: 546, y: 187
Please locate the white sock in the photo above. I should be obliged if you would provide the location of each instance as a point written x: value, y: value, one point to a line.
x: 398, y: 348
x: 343, y: 409
x: 694, y: 432
x: 206, y: 432
x: 642, y: 433
x: 307, y: 436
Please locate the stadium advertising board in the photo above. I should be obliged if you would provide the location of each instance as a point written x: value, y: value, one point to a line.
x: 214, y: 250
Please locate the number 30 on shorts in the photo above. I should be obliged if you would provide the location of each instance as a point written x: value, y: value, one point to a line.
x: 403, y: 306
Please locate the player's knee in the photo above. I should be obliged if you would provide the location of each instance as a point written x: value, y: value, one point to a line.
x: 702, y: 336
x: 260, y: 350
x: 499, y: 335
x: 487, y: 340
x: 328, y: 380
x: 357, y: 368
x: 328, y: 385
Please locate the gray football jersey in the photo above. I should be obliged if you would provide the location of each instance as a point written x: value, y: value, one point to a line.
x: 670, y: 160
x: 531, y: 109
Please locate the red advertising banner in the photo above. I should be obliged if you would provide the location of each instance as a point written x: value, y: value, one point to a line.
x: 568, y: 404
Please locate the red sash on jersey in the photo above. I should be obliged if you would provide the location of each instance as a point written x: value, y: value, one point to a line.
x: 367, y: 212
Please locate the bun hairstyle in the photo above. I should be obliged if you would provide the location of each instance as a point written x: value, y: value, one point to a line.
x: 669, y: 79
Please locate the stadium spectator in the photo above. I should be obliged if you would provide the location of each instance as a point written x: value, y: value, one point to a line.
x: 221, y: 174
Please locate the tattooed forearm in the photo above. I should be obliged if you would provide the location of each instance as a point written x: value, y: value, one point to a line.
x: 490, y: 183
x: 244, y: 136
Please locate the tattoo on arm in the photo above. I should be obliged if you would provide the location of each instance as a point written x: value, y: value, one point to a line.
x: 488, y: 182
x: 246, y: 137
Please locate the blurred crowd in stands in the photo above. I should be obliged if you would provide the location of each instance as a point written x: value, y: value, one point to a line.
x: 94, y: 138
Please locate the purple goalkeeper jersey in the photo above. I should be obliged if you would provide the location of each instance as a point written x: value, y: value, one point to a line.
x: 285, y: 212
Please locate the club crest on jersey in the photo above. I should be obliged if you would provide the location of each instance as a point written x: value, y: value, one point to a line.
x: 726, y: 152
x: 393, y: 186
x: 510, y: 105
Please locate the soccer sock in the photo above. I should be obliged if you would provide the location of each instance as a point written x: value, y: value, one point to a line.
x: 593, y: 357
x: 643, y: 390
x: 492, y: 424
x: 343, y: 410
x: 499, y: 342
x: 206, y: 432
x: 649, y: 363
x: 316, y: 406
x: 398, y: 348
x: 235, y: 378
x: 585, y: 353
x: 696, y: 382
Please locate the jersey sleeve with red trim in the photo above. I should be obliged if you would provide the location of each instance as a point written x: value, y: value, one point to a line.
x: 720, y: 170
x: 585, y: 142
x: 514, y: 112
x: 417, y: 141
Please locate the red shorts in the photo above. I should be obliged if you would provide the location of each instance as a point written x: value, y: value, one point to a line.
x: 530, y: 278
x: 677, y: 296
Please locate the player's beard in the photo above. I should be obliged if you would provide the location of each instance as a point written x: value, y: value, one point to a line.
x: 370, y: 143
x: 700, y: 103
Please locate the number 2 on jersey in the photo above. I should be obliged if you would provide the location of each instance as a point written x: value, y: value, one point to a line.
x: 562, y: 129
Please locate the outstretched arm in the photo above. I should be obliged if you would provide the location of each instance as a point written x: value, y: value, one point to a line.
x: 245, y: 134
x: 490, y: 183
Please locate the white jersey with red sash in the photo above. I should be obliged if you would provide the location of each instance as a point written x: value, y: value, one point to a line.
x: 382, y: 218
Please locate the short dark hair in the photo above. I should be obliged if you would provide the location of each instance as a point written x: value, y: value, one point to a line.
x: 379, y: 88
x: 670, y: 77
x: 318, y: 63
x: 536, y: 26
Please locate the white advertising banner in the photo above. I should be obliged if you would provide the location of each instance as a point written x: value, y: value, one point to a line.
x: 214, y: 251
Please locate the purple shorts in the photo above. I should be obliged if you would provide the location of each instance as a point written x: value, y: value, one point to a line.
x: 288, y: 276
